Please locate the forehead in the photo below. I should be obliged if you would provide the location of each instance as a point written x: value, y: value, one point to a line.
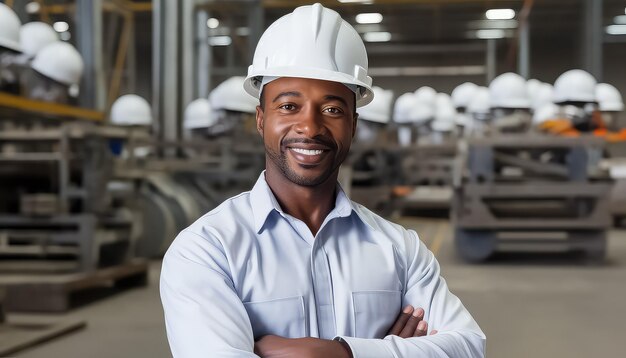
x: 307, y: 88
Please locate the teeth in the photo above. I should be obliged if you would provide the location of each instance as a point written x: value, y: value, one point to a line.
x: 307, y: 151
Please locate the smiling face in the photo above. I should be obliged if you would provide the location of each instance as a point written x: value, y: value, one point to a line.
x: 307, y: 126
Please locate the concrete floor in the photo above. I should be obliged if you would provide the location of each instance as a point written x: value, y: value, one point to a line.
x: 549, y: 306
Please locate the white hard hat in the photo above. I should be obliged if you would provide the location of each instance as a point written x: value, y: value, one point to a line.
x: 230, y: 95
x: 575, y: 86
x: 61, y: 62
x: 312, y: 42
x: 445, y: 116
x: 443, y: 100
x: 462, y: 94
x: 479, y: 104
x: 508, y: 91
x: 402, y: 107
x: 9, y: 28
x: 531, y: 87
x: 426, y: 94
x: 543, y: 94
x: 421, y: 112
x: 198, y: 115
x: 379, y: 110
x: 545, y: 112
x: 609, y: 98
x: 131, y: 110
x: 36, y: 35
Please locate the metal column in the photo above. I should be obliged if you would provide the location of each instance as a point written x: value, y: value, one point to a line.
x: 89, y: 43
x: 523, y: 51
x: 204, y: 56
x: 490, y: 60
x: 592, y: 49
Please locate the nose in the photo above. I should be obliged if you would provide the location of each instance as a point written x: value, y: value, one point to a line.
x: 309, y: 124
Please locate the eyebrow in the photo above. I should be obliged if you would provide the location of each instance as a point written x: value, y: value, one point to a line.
x: 287, y: 94
x: 331, y: 97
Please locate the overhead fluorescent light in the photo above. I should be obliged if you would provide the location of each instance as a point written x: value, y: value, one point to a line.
x: 242, y: 31
x: 616, y: 29
x: 356, y: 1
x: 220, y: 40
x: 61, y: 26
x: 369, y: 18
x: 490, y: 34
x: 381, y: 36
x: 212, y: 23
x: 500, y: 14
x: 620, y: 20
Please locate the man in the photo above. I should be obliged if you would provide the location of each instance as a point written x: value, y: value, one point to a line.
x: 293, y: 268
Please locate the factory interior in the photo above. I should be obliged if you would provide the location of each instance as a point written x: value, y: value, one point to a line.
x: 497, y: 132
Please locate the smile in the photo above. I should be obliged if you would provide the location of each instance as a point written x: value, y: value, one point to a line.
x: 308, y: 151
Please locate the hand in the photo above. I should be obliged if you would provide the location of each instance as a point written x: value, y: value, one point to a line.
x: 279, y: 347
x: 410, y: 323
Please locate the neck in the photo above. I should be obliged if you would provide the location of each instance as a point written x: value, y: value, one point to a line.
x: 311, y: 204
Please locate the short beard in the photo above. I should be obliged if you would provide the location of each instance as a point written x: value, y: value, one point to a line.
x: 280, y: 160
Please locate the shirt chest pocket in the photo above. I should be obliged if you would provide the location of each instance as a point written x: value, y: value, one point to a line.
x: 282, y: 317
x: 375, y: 312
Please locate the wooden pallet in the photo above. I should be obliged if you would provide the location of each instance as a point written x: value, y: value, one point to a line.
x: 21, y: 332
x: 61, y: 292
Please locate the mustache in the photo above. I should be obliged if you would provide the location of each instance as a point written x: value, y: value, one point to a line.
x: 320, y: 140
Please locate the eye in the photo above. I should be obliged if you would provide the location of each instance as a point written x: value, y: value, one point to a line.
x: 287, y: 106
x: 333, y: 110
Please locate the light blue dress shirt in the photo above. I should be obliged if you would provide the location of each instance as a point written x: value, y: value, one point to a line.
x: 247, y: 269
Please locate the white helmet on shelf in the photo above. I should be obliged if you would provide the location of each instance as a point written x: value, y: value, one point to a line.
x: 198, y: 115
x: 61, y: 62
x: 426, y: 94
x: 609, y: 98
x: 480, y: 104
x: 443, y: 100
x: 9, y: 29
x: 508, y: 91
x: 36, y: 35
x: 402, y: 108
x: 230, y: 95
x: 445, y: 117
x: 421, y: 112
x: 379, y: 110
x: 543, y: 94
x: 575, y: 86
x: 312, y: 42
x: 462, y: 94
x: 531, y: 87
x: 544, y: 113
x: 131, y: 110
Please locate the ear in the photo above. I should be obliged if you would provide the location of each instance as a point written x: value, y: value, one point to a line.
x: 259, y: 120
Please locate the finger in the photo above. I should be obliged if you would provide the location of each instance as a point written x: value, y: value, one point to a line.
x: 434, y: 331
x: 421, y: 330
x: 401, y: 321
x: 411, y: 324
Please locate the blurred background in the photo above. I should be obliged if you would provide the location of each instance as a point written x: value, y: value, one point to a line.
x: 497, y: 132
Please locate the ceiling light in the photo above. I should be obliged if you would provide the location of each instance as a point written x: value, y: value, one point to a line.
x: 381, y: 36
x: 369, y: 18
x: 490, y: 34
x: 616, y: 29
x: 220, y: 40
x: 242, y: 31
x: 61, y: 26
x: 356, y: 1
x: 500, y: 14
x: 621, y: 20
x: 33, y: 7
x: 212, y: 23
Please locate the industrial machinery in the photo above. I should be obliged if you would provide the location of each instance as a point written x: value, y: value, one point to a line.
x: 531, y: 193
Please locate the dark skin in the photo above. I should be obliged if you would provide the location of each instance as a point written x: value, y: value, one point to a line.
x: 307, y: 127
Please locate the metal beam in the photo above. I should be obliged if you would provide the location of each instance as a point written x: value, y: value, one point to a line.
x: 592, y: 48
x: 490, y: 60
x: 89, y: 43
x: 523, y: 51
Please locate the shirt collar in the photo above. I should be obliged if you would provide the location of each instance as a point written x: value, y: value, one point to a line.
x: 264, y: 202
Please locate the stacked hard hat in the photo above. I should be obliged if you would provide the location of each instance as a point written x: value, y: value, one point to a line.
x: 311, y: 42
x: 131, y: 110
x: 462, y: 94
x: 413, y: 109
x: 61, y: 62
x: 445, y: 114
x: 230, y: 95
x: 575, y: 86
x: 609, y: 98
x: 379, y: 110
x: 508, y: 91
x: 402, y: 108
x: 9, y: 29
x: 34, y: 36
x: 541, y: 96
x: 426, y: 94
x: 532, y: 85
x: 198, y: 115
x: 544, y: 113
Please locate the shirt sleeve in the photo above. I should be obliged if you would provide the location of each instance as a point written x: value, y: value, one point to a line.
x: 204, y: 316
x: 458, y: 333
